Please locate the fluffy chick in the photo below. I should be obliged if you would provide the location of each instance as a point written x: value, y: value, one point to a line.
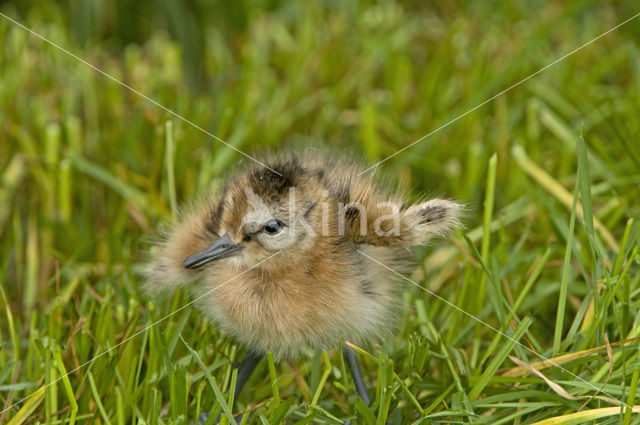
x: 275, y: 257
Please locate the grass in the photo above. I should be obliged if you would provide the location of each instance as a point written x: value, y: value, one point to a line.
x: 550, y: 172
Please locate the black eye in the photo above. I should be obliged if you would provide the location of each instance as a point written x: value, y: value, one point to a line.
x: 273, y: 226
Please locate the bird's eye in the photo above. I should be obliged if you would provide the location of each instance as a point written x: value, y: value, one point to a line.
x: 273, y: 226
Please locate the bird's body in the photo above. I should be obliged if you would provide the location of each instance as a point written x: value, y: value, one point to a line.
x: 280, y: 261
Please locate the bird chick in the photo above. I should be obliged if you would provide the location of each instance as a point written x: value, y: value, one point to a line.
x: 277, y: 258
x: 309, y: 221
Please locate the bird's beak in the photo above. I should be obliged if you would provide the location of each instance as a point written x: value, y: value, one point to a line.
x: 222, y: 248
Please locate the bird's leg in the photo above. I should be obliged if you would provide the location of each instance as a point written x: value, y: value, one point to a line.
x: 352, y: 360
x: 244, y: 372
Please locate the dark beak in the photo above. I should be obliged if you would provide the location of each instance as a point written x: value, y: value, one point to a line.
x: 222, y: 248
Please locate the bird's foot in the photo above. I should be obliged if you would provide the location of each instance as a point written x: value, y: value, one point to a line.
x: 203, y: 418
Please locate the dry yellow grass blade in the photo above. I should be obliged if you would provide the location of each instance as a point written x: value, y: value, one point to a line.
x: 554, y: 188
x: 28, y: 408
x: 558, y: 388
x: 554, y: 361
x: 584, y: 416
x: 10, y: 180
x: 588, y: 315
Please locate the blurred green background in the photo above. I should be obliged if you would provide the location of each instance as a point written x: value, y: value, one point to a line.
x: 84, y: 172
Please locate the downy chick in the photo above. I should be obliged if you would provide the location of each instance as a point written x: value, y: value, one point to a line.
x: 275, y: 257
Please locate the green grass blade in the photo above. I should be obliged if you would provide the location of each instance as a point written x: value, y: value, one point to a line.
x: 216, y: 390
x: 500, y: 357
x: 564, y: 282
x: 170, y: 168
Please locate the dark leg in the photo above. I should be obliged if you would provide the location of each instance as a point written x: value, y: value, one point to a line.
x: 356, y: 373
x: 244, y: 372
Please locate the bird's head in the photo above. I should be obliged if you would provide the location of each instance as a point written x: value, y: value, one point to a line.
x: 262, y: 213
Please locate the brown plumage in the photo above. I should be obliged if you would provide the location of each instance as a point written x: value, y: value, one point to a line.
x: 306, y: 225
